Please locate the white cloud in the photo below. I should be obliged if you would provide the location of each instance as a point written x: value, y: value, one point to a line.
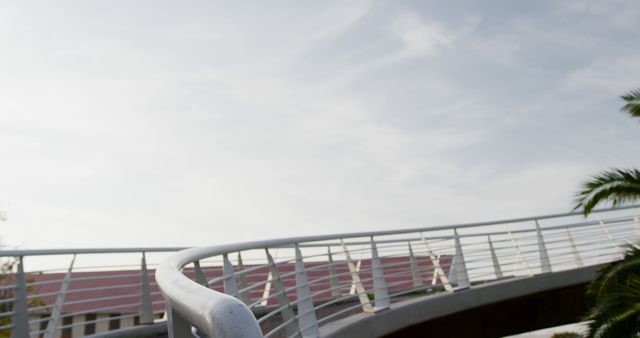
x: 420, y: 37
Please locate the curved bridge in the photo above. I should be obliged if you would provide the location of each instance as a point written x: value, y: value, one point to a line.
x: 374, y: 284
x: 502, y: 275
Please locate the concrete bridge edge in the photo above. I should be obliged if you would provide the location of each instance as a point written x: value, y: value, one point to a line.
x: 419, y: 310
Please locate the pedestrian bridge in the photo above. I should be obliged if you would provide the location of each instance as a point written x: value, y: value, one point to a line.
x: 370, y: 284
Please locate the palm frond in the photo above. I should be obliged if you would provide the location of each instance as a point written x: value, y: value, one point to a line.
x: 616, y: 312
x: 616, y: 185
x: 620, y: 325
x: 615, y: 273
x: 633, y: 103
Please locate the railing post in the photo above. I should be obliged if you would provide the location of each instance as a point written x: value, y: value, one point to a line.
x: 146, y: 309
x: 52, y: 325
x: 576, y: 254
x: 437, y: 269
x: 494, y: 258
x: 230, y: 285
x: 333, y: 276
x: 362, y: 293
x: 20, y: 319
x: 201, y: 278
x: 461, y: 268
x: 415, y: 273
x: 244, y: 296
x: 283, y: 301
x: 307, y: 321
x: 177, y: 326
x: 380, y: 292
x: 545, y: 264
x: 453, y: 271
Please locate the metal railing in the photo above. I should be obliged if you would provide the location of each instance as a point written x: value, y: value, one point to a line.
x: 78, y: 292
x: 291, y: 287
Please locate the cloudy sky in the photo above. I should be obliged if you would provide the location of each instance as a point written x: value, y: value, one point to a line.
x: 152, y: 123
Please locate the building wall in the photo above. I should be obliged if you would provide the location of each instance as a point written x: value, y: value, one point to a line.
x: 102, y: 324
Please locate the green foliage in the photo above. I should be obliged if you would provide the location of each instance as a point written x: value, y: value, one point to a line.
x: 616, y: 185
x: 616, y: 292
x: 633, y: 103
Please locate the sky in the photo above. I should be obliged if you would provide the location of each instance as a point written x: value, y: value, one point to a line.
x: 156, y: 123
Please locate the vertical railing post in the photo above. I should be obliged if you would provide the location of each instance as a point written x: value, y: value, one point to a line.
x: 333, y: 276
x: 283, y: 301
x: 453, y: 271
x: 54, y: 319
x: 307, y: 321
x: 415, y: 272
x: 380, y: 292
x: 435, y: 262
x: 545, y: 264
x: 494, y: 258
x: 461, y: 267
x: 230, y: 284
x: 201, y: 278
x: 177, y: 326
x: 20, y: 319
x: 362, y: 293
x: 146, y: 308
x: 244, y: 295
x: 574, y: 248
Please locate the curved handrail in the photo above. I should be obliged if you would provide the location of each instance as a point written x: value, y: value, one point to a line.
x: 208, y: 251
x: 217, y: 314
x: 208, y: 310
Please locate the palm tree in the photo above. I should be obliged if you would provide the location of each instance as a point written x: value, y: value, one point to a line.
x: 615, y: 185
x: 616, y: 292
